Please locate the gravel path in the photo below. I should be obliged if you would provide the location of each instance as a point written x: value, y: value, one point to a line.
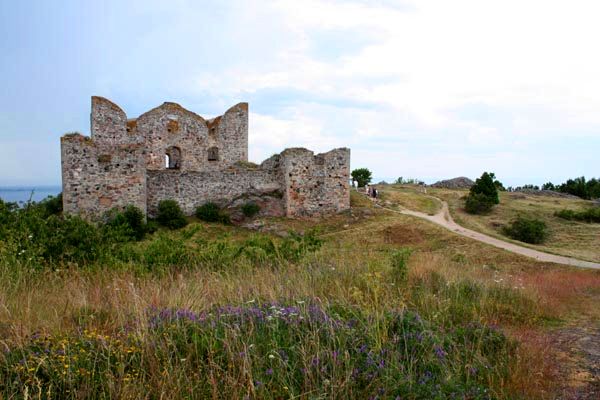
x: 444, y: 219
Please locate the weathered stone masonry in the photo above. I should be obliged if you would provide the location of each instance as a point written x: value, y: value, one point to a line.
x: 172, y: 153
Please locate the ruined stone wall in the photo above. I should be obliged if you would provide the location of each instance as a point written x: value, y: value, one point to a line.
x: 315, y: 184
x: 98, y: 177
x: 123, y: 162
x: 231, y: 136
x: 109, y: 124
x: 194, y: 188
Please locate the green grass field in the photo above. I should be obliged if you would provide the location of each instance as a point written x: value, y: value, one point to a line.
x: 367, y: 304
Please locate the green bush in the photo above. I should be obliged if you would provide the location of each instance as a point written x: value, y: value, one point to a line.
x: 70, y: 239
x: 590, y: 215
x: 53, y: 205
x: 478, y: 203
x: 250, y: 209
x: 39, y: 239
x: 527, y: 230
x: 170, y: 215
x: 211, y: 212
x: 129, y: 222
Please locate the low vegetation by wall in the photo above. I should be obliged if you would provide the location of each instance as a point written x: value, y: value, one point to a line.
x: 191, y: 189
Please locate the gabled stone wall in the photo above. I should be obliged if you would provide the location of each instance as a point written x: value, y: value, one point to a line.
x: 170, y: 125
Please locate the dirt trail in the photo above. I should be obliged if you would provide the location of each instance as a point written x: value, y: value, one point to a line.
x: 444, y: 219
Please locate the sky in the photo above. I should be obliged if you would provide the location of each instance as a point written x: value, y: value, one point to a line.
x: 428, y: 89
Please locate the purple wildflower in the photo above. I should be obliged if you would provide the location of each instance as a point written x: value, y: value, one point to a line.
x: 439, y: 352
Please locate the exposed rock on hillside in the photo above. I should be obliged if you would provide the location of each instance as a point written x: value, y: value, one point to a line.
x: 550, y: 193
x: 456, y: 183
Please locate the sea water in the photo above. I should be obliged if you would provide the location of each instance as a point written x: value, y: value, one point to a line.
x: 22, y: 194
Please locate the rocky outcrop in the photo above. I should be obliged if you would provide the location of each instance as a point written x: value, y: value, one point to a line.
x: 455, y: 183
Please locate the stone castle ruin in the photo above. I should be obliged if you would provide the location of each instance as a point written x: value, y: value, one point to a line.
x: 172, y: 153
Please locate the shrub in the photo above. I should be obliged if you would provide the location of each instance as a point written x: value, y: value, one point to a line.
x: 294, y: 247
x: 211, y: 212
x: 399, y: 261
x: 590, y: 215
x: 208, y: 212
x: 53, y: 205
x: 130, y: 222
x: 170, y: 215
x: 478, y: 203
x: 250, y: 209
x: 527, y: 230
x: 39, y: 240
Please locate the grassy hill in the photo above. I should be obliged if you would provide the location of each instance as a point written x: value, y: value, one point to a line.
x: 568, y: 238
x: 365, y: 304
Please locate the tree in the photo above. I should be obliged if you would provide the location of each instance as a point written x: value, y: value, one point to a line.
x: 581, y: 188
x: 485, y: 185
x: 548, y: 186
x: 362, y: 176
x: 499, y: 186
x: 483, y: 194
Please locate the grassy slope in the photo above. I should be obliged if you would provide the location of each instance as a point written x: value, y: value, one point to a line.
x: 567, y: 238
x: 524, y: 297
x: 411, y: 197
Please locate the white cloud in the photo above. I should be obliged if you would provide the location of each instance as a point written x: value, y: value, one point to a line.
x: 421, y: 88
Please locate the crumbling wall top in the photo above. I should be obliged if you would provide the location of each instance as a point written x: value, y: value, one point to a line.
x: 169, y: 107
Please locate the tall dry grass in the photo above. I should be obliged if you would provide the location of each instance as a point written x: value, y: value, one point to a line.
x: 450, y: 284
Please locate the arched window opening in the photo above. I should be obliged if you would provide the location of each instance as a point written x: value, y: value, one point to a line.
x: 213, y: 154
x: 173, y: 158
